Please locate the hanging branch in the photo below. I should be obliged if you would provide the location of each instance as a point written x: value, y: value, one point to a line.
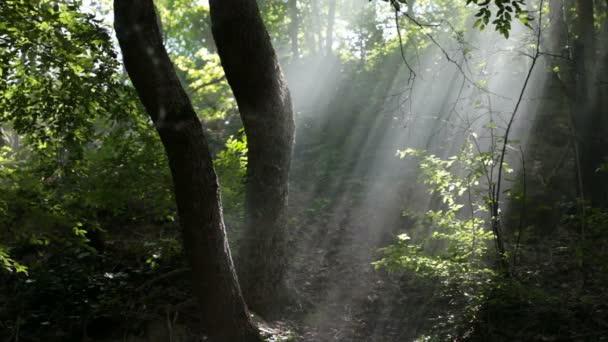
x: 412, y: 76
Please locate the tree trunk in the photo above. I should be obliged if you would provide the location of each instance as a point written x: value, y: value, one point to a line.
x: 587, y: 121
x: 584, y: 28
x: 294, y: 26
x: 256, y: 79
x: 224, y: 313
x: 558, y: 30
x: 331, y: 18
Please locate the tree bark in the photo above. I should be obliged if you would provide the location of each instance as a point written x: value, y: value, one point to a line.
x: 588, y: 120
x: 584, y: 46
x: 558, y: 30
x: 264, y: 102
x: 584, y: 27
x: 224, y: 313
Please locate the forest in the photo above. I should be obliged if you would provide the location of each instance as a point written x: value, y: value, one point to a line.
x: 303, y: 170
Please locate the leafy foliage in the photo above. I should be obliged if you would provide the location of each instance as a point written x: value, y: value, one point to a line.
x: 58, y: 71
x: 231, y: 167
x: 448, y: 245
x: 507, y: 11
x: 501, y: 18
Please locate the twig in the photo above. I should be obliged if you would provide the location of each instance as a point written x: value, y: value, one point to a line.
x: 443, y: 50
x: 555, y: 56
x: 212, y: 82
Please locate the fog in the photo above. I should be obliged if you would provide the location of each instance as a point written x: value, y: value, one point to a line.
x: 451, y: 98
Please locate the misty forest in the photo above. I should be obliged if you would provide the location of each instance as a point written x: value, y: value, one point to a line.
x: 303, y: 170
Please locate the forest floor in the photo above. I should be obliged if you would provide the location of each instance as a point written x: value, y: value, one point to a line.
x: 337, y: 295
x: 340, y: 296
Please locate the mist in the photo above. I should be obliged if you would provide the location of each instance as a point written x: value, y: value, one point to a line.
x: 303, y: 170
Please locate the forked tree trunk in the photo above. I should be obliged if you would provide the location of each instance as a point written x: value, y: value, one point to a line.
x: 224, y: 313
x: 264, y: 102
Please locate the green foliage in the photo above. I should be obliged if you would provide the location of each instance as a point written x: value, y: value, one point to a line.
x: 185, y: 25
x: 276, y: 19
x: 231, y: 163
x: 78, y: 160
x: 204, y: 75
x: 501, y: 18
x: 448, y: 245
x: 58, y: 72
x: 557, y: 291
x: 87, y: 212
x: 127, y: 175
x: 87, y: 209
x: 591, y: 234
x: 9, y: 264
x: 460, y: 231
x: 187, y: 31
x: 506, y: 11
x: 231, y: 167
x: 80, y: 231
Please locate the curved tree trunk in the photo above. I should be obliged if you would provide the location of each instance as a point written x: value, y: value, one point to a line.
x: 256, y: 79
x: 224, y: 313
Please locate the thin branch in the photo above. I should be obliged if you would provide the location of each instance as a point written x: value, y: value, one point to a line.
x: 443, y: 50
x: 522, y: 213
x: 555, y: 56
x: 412, y: 76
x: 496, y: 199
x: 517, y: 105
x: 579, y: 176
x: 212, y: 82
